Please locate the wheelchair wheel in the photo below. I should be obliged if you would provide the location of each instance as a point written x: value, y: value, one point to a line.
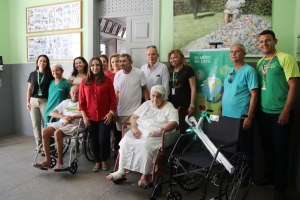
x: 174, y: 195
x: 73, y: 167
x: 66, y: 145
x: 185, y: 181
x: 53, y: 162
x: 87, y: 147
x: 238, y: 184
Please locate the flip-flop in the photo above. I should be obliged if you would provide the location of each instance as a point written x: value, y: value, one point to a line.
x: 40, y: 166
x: 61, y: 169
x: 146, y: 186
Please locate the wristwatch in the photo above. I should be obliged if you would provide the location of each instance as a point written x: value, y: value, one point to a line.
x: 162, y: 129
x: 192, y: 106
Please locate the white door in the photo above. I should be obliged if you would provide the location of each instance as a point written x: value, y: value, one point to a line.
x: 140, y: 34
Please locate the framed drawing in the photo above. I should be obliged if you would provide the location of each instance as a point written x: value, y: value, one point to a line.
x: 103, y: 23
x: 56, y: 47
x: 53, y: 17
x: 115, y: 29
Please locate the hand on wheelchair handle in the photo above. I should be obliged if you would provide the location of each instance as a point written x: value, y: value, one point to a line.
x: 190, y: 111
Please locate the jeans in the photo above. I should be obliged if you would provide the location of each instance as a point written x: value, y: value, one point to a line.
x: 275, y: 140
x: 100, y: 134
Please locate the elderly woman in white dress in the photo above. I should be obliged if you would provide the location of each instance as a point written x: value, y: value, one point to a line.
x: 140, y: 144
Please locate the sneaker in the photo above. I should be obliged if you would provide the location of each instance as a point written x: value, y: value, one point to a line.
x: 263, y: 182
x: 279, y: 195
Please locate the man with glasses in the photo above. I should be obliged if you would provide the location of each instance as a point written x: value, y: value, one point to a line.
x: 240, y: 97
x: 278, y: 74
x: 156, y: 72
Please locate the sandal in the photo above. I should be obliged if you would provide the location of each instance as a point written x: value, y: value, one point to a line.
x: 40, y: 166
x: 146, y: 186
x: 60, y: 168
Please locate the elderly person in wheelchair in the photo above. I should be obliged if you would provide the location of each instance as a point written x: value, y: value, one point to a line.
x: 140, y: 144
x: 69, y: 116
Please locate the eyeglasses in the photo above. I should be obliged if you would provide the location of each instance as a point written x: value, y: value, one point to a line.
x: 152, y: 46
x: 230, y: 79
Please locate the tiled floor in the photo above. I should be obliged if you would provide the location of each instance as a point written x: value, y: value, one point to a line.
x: 19, y: 180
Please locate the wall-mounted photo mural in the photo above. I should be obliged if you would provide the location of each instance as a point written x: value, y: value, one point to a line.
x: 200, y: 22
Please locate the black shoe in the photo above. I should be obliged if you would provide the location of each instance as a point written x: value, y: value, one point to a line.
x: 263, y: 182
x: 279, y: 195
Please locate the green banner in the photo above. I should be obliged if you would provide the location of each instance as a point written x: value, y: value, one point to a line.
x: 210, y: 67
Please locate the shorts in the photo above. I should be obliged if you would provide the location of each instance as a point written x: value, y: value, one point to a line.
x: 235, y: 11
x: 122, y: 120
x: 69, y: 129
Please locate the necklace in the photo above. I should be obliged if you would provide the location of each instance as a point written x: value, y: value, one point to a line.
x: 265, y: 69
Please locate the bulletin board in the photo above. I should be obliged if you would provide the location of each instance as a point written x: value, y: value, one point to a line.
x: 53, y: 17
x: 56, y: 46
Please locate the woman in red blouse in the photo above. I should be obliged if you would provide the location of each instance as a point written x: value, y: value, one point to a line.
x: 97, y: 102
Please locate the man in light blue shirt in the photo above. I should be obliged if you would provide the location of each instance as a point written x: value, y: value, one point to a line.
x: 240, y: 96
x: 156, y: 73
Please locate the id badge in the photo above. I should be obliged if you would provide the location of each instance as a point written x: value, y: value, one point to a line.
x: 40, y: 92
x: 173, y: 91
x: 264, y: 85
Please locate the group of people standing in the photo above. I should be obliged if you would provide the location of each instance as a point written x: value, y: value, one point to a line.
x: 110, y: 98
x: 268, y: 94
x: 107, y: 97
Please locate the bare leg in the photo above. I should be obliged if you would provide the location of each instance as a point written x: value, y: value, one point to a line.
x: 59, y: 135
x: 226, y: 18
x: 234, y: 17
x: 144, y: 180
x: 46, y: 134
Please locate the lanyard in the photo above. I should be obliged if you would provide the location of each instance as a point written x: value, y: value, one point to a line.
x: 175, y: 75
x: 38, y: 80
x: 265, y: 71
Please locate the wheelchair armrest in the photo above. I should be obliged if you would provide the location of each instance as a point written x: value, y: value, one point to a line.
x: 166, y: 131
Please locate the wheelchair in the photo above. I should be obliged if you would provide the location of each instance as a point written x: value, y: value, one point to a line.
x: 168, y: 140
x: 195, y: 167
x: 81, y: 134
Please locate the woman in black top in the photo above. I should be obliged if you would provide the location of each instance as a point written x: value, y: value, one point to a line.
x: 182, y: 86
x: 37, y: 94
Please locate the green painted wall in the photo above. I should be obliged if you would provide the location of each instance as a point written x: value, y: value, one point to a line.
x: 17, y: 21
x: 284, y: 20
x: 4, y: 32
x: 297, y: 27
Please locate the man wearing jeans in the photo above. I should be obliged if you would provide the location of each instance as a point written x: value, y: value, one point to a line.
x: 279, y: 79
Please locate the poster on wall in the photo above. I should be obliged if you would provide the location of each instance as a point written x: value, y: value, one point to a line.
x: 200, y: 22
x: 56, y: 47
x: 53, y: 17
x: 210, y: 67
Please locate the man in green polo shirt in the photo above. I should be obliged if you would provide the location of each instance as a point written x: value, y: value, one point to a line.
x: 278, y: 74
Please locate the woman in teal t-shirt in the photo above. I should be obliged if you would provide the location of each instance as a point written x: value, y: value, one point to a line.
x: 58, y: 90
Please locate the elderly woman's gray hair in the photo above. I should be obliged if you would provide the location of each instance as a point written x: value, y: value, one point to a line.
x: 160, y: 89
x: 58, y: 65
